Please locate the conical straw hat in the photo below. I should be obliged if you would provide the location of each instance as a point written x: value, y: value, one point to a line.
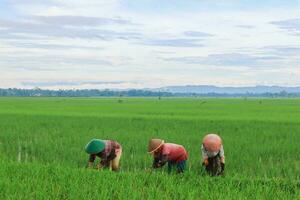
x: 155, y: 144
x: 212, y: 142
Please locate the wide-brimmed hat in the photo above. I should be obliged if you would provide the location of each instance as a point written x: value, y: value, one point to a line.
x: 212, y: 142
x: 95, y: 146
x: 155, y: 144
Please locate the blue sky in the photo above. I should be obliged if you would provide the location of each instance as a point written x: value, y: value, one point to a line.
x: 148, y: 43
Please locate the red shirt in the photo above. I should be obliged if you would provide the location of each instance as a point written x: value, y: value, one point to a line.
x: 174, y: 152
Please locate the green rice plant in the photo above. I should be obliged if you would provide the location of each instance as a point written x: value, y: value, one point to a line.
x: 42, y: 147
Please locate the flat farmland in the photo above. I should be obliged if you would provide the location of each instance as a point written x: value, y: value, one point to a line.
x: 42, y: 147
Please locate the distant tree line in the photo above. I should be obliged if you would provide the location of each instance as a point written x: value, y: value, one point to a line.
x: 129, y: 93
x: 80, y: 93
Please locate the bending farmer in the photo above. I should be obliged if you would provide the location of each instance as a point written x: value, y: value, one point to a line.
x: 108, y: 151
x: 173, y: 154
x: 213, y: 157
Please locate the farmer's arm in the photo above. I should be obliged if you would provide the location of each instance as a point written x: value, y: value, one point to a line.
x: 160, y: 161
x: 112, y: 155
x: 91, y: 160
x: 106, y: 158
x: 204, y: 156
x: 222, y: 155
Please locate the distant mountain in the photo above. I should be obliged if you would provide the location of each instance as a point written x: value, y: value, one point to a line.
x: 206, y: 89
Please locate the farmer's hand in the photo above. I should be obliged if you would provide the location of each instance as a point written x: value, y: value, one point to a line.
x: 90, y: 165
x: 205, y: 162
x: 156, y: 165
x: 223, y: 159
x: 99, y: 166
x: 222, y: 167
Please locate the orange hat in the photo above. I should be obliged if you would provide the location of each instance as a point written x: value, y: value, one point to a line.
x: 155, y: 144
x: 212, y: 142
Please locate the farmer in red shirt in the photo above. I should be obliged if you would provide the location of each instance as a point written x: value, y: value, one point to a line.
x: 108, y: 151
x: 173, y: 154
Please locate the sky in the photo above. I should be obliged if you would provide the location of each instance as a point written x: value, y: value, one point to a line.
x: 66, y: 44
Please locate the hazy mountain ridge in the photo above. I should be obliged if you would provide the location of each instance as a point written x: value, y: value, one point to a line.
x: 171, y: 91
x: 206, y: 89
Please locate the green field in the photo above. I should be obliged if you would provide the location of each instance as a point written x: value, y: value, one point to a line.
x: 42, y: 147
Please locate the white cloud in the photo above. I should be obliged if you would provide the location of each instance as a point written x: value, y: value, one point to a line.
x: 111, y: 40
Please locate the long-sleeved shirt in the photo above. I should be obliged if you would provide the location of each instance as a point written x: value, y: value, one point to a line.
x: 209, y: 154
x: 108, y: 154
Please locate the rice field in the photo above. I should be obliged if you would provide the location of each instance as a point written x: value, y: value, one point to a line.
x: 42, y: 147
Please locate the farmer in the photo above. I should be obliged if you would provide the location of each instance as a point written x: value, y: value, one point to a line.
x: 213, y: 157
x: 173, y: 154
x: 108, y: 150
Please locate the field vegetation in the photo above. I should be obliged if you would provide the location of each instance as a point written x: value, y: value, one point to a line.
x: 42, y: 147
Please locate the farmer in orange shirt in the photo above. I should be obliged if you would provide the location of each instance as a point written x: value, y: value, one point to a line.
x: 108, y: 151
x: 173, y: 154
x: 213, y: 157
